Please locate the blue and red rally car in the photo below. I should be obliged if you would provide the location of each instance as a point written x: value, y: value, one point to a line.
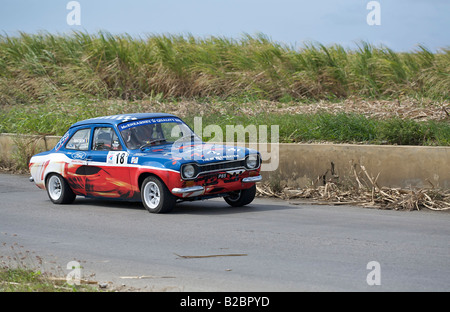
x: 155, y: 158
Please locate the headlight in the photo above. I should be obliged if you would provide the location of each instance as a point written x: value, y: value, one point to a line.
x: 188, y: 171
x: 252, y: 161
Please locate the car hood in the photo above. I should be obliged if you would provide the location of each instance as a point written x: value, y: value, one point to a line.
x: 202, y: 153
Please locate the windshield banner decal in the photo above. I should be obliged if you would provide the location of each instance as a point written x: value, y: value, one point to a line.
x: 148, y: 122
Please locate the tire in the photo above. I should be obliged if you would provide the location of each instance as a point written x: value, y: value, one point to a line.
x: 242, y: 197
x: 58, y: 190
x: 155, y: 196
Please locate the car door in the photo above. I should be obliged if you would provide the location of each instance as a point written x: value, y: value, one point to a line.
x: 76, y: 151
x: 107, y: 173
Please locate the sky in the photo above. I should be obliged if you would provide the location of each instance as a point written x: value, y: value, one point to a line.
x: 400, y: 24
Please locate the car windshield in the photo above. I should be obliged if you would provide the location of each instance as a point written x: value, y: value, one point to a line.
x: 154, y: 131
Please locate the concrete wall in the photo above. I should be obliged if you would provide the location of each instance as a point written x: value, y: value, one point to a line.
x: 18, y: 146
x: 299, y: 165
x: 398, y: 166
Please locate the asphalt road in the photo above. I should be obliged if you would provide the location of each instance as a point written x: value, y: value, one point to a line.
x: 271, y: 245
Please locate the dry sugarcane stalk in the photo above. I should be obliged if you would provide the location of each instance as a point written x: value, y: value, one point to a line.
x: 369, y: 195
x: 360, y: 186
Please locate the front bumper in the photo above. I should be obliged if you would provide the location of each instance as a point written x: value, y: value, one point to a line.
x: 190, y: 189
x: 252, y: 179
x: 199, y: 189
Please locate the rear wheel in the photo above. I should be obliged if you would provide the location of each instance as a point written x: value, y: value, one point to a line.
x: 58, y: 190
x: 155, y: 196
x: 242, y: 197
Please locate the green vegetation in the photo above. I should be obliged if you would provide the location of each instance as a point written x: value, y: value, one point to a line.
x: 45, y: 66
x: 22, y: 280
x: 27, y: 280
x: 23, y: 271
x: 322, y: 126
x: 343, y: 128
x: 47, y: 82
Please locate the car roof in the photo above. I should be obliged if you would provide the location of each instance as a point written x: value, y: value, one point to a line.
x: 118, y: 119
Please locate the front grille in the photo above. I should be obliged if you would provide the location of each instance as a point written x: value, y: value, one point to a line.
x: 221, y: 166
x: 205, y: 169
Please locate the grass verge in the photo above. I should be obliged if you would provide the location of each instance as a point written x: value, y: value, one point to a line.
x: 319, y: 126
x: 343, y: 128
x: 27, y: 280
x: 23, y: 271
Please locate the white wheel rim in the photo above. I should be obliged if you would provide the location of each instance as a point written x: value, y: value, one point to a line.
x: 152, y: 195
x: 54, y: 187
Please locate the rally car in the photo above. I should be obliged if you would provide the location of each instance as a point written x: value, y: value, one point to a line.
x: 150, y: 157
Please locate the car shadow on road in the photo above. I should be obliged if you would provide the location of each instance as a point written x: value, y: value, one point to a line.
x: 109, y: 203
x: 219, y: 207
x: 206, y: 207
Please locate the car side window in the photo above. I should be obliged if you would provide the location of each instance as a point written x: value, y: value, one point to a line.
x: 105, y: 139
x: 80, y: 140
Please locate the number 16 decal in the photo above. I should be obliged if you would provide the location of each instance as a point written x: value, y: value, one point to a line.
x: 117, y: 158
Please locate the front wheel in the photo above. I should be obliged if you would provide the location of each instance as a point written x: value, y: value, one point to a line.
x: 242, y: 197
x: 58, y: 190
x: 155, y: 196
